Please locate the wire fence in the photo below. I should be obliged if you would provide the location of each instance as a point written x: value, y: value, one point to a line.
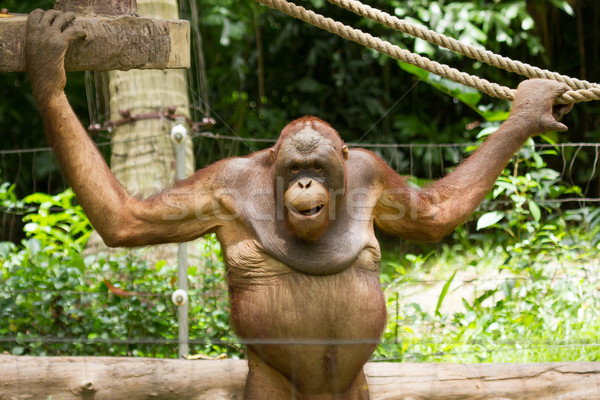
x: 411, y: 334
x: 405, y: 158
x: 408, y: 344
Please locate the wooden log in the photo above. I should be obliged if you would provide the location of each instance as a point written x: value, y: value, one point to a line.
x: 112, y: 43
x: 103, y: 378
x: 543, y: 381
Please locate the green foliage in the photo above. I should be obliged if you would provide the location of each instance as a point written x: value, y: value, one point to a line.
x: 484, y: 23
x: 467, y: 95
x: 8, y: 198
x: 59, y: 224
x: 528, y: 209
x: 543, y: 312
x: 52, y: 301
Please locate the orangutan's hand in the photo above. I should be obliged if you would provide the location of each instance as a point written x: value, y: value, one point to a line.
x: 48, y: 36
x: 534, y: 106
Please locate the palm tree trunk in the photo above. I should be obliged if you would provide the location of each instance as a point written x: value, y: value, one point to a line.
x: 143, y: 157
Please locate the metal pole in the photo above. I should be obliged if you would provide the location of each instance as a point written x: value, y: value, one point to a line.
x: 180, y: 296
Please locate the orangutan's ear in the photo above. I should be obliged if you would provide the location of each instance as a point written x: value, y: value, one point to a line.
x: 345, y: 152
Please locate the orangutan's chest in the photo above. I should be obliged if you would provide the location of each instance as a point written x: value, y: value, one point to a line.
x: 271, y: 299
x: 250, y: 265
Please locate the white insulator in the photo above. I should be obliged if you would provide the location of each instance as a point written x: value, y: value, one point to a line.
x: 179, y: 297
x: 178, y: 133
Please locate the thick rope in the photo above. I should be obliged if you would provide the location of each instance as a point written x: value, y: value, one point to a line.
x: 382, y: 46
x: 449, y: 43
x: 391, y: 50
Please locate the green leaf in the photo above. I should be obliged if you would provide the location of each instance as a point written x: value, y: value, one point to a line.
x: 423, y: 47
x: 468, y: 95
x: 489, y: 219
x: 539, y: 162
x: 444, y: 293
x: 535, y: 211
x: 31, y: 227
x: 160, y: 264
x: 487, y: 131
x: 527, y: 23
x: 38, y: 198
x: 563, y: 5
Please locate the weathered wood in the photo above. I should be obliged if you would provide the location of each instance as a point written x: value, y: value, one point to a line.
x: 544, y: 381
x: 100, y: 378
x: 97, y: 7
x: 112, y: 43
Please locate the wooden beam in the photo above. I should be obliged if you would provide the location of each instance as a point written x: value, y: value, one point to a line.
x: 97, y: 7
x: 104, y: 378
x: 113, y: 43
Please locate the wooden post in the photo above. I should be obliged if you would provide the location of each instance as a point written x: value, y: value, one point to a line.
x: 112, y: 378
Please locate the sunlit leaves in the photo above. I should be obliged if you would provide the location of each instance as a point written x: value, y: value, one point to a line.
x: 489, y: 219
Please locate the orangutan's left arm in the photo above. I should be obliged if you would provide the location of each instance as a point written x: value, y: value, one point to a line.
x: 433, y: 212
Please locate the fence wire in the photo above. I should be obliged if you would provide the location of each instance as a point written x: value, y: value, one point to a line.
x: 405, y: 158
x: 482, y: 347
x: 567, y: 153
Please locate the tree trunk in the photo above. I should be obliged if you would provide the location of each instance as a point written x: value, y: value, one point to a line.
x: 143, y: 157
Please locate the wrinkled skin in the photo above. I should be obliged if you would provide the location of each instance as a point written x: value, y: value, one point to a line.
x: 308, y: 162
x: 296, y: 223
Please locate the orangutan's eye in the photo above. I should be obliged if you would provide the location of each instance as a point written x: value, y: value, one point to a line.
x: 294, y: 169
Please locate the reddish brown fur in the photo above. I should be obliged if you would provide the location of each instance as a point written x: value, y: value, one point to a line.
x: 315, y: 123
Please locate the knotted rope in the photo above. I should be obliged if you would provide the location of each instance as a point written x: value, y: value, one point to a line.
x: 582, y: 90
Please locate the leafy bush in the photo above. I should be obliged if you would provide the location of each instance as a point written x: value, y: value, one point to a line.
x: 541, y: 312
x: 52, y: 301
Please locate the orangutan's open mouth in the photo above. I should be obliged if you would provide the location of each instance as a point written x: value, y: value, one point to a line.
x: 310, y: 212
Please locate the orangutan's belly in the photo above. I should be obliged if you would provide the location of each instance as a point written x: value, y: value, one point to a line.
x: 316, y: 330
